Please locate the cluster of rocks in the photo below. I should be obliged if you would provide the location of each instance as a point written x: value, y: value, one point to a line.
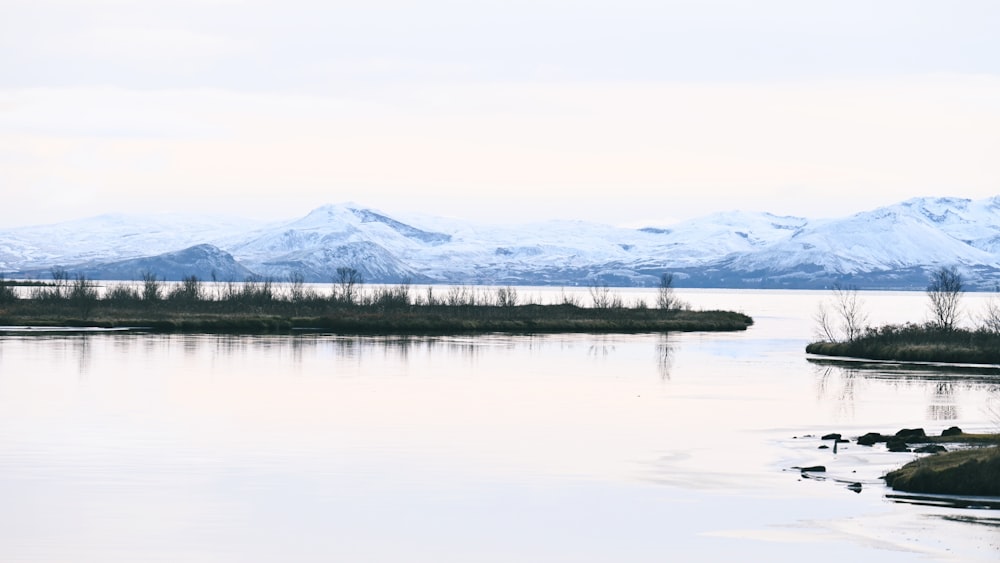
x: 900, y: 441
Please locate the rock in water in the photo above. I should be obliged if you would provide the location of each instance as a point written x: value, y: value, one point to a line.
x: 911, y: 433
x: 953, y: 431
x: 871, y: 438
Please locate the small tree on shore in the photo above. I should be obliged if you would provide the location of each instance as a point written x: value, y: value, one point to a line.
x: 603, y: 298
x: 945, y: 291
x: 189, y: 290
x: 7, y: 293
x: 665, y: 298
x: 506, y: 296
x: 83, y: 294
x: 60, y: 279
x: 990, y: 319
x: 152, y: 288
x: 844, y: 318
x: 346, y: 285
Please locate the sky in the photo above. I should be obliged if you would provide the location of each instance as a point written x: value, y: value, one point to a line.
x: 631, y: 112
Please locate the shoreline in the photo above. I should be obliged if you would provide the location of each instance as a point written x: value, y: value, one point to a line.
x: 411, y: 320
x: 957, y: 468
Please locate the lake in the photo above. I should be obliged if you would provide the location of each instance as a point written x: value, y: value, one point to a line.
x: 135, y: 447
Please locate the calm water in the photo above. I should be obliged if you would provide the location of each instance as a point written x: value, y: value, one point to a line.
x: 124, y: 447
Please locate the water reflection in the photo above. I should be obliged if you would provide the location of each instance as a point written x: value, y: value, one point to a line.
x: 847, y: 383
x: 664, y: 355
x: 943, y: 405
x: 838, y: 383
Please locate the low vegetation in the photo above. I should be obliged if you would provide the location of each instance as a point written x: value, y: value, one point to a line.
x: 842, y: 330
x: 260, y: 305
x: 917, y: 343
x: 971, y: 471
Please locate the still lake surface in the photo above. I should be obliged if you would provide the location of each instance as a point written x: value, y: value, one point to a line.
x: 133, y: 447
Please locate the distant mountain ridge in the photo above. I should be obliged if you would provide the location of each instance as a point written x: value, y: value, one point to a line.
x: 892, y: 247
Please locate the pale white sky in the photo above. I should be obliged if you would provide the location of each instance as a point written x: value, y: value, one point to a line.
x: 628, y: 112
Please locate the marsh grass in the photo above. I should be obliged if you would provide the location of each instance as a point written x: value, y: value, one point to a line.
x: 257, y: 306
x: 917, y: 343
x: 974, y: 471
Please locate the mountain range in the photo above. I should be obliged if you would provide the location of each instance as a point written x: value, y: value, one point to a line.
x: 892, y: 247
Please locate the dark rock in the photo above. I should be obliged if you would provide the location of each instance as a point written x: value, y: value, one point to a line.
x: 930, y: 449
x: 897, y: 445
x: 871, y: 438
x: 812, y: 468
x: 823, y: 447
x: 856, y: 487
x: 911, y: 433
x: 953, y: 431
x: 833, y: 436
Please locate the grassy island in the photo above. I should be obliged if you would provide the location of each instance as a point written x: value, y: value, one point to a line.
x: 917, y: 343
x: 257, y: 306
x: 842, y: 323
x: 974, y: 471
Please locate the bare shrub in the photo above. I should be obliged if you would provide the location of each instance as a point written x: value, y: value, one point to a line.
x: 460, y: 296
x: 569, y: 298
x: 346, y: 285
x: 602, y: 298
x: 7, y: 293
x: 945, y: 291
x: 843, y: 318
x: 666, y: 299
x: 83, y: 295
x: 152, y: 288
x: 60, y: 279
x: 189, y: 290
x: 506, y: 297
x: 122, y: 293
x: 990, y: 319
x: 297, y: 292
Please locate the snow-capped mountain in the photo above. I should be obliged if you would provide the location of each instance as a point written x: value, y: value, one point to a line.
x: 113, y: 237
x: 889, y: 247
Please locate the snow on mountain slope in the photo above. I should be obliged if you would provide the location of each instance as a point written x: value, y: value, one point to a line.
x: 721, y: 234
x: 913, y: 233
x: 112, y: 237
x: 896, y: 244
x: 975, y: 222
x: 204, y: 261
x: 332, y: 236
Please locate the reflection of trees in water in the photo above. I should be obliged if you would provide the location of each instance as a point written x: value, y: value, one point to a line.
x: 664, y: 356
x: 307, y: 347
x: 992, y: 408
x: 82, y: 350
x: 943, y: 405
x: 845, y: 384
x: 843, y: 391
x: 601, y: 349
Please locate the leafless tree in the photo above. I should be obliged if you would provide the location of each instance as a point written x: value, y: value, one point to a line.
x: 603, y: 298
x: 992, y: 407
x: 844, y: 318
x: 945, y: 291
x: 83, y: 294
x: 60, y: 277
x: 990, y: 319
x: 506, y: 296
x: 152, y: 288
x: 347, y: 282
x: 297, y: 292
x: 665, y: 297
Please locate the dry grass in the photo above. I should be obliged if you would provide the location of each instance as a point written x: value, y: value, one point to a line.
x: 974, y: 472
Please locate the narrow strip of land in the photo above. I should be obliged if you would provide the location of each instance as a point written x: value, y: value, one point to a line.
x: 913, y: 343
x: 284, y: 316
